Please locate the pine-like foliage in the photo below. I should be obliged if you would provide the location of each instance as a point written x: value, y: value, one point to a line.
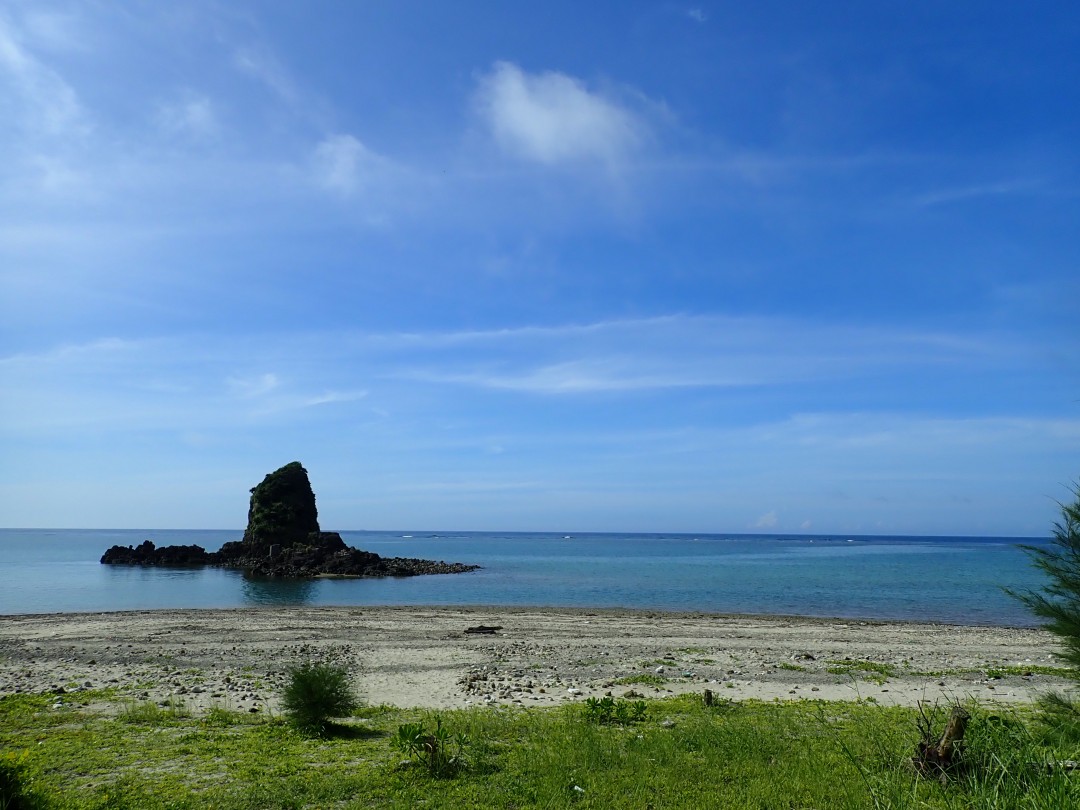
x: 315, y: 693
x: 1058, y: 602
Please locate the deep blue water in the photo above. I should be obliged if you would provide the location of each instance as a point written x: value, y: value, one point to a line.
x: 954, y: 580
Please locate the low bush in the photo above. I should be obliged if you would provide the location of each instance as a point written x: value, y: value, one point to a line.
x: 15, y: 792
x: 315, y: 693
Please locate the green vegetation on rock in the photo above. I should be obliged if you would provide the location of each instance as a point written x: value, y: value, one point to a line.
x: 282, y: 510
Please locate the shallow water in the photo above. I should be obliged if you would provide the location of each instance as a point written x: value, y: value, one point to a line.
x: 954, y: 580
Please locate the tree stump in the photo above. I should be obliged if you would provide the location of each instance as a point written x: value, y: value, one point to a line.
x: 940, y: 756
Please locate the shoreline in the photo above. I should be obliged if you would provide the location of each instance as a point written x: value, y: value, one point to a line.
x: 553, y: 609
x: 421, y: 656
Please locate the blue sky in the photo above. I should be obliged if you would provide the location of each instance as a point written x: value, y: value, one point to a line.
x: 717, y: 267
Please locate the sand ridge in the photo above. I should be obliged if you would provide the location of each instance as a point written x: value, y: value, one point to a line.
x: 422, y: 657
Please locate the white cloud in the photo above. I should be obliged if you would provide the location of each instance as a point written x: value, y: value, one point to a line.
x: 594, y: 374
x: 697, y: 15
x: 552, y: 118
x: 343, y: 164
x: 766, y: 521
x: 191, y: 116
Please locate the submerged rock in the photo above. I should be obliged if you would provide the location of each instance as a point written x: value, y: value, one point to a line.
x: 283, y: 539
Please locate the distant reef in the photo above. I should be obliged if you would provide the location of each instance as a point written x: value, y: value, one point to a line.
x: 283, y: 539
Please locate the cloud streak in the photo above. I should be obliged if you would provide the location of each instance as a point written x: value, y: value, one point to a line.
x: 41, y: 102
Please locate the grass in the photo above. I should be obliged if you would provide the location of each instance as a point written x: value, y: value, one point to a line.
x: 870, y: 670
x: 1029, y: 669
x: 645, y: 679
x: 752, y: 755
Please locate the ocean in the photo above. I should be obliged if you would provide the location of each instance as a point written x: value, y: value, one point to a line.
x: 956, y: 580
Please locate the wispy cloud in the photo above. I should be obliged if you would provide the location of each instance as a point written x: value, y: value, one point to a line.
x: 261, y: 65
x: 552, y: 118
x: 332, y: 397
x: 611, y: 360
x: 956, y: 194
x: 250, y: 387
x: 766, y: 521
x: 689, y: 352
x: 343, y: 164
x: 39, y: 100
x: 191, y: 116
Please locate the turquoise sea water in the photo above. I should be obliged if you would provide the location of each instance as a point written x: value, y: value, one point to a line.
x: 954, y: 580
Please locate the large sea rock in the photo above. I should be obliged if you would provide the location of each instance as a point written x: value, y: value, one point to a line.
x: 282, y: 510
x: 283, y: 539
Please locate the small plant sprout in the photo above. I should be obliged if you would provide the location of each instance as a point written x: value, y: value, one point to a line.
x: 608, y: 710
x: 440, y: 751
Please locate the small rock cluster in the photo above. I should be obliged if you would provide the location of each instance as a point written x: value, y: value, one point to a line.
x: 491, y: 685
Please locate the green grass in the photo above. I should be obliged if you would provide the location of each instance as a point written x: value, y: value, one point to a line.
x: 791, y: 667
x: 738, y: 755
x: 1036, y: 669
x: 870, y: 670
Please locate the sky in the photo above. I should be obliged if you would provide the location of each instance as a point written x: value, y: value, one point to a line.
x: 778, y: 267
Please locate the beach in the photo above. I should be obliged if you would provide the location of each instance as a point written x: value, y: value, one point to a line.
x: 423, y: 657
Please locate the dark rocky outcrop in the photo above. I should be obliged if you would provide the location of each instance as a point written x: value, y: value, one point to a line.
x: 283, y: 539
x: 146, y: 553
x: 282, y: 511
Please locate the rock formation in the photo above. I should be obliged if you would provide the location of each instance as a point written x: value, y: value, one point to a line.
x: 282, y: 510
x: 283, y: 539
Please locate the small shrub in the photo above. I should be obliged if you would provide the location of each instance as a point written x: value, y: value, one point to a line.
x: 15, y: 792
x: 609, y: 710
x: 315, y: 693
x: 442, y: 752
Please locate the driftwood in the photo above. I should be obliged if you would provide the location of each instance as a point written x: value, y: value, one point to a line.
x: 482, y: 629
x: 940, y: 756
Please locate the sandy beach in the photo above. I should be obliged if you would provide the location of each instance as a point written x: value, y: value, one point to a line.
x: 422, y: 657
